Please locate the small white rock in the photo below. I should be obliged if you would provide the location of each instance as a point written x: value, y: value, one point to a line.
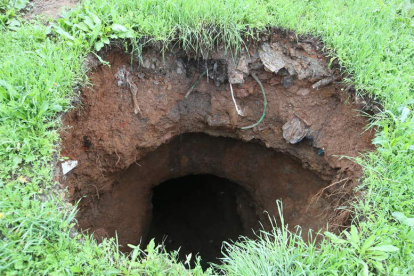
x: 69, y: 165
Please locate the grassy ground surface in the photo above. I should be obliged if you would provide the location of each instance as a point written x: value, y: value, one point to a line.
x: 41, y: 63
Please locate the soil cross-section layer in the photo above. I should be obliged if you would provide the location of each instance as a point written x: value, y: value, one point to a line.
x: 173, y: 115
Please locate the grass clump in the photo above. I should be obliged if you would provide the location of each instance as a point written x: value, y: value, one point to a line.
x: 9, y: 10
x: 40, y: 65
x: 198, y: 26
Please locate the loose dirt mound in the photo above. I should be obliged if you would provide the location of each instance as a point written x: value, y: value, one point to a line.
x: 125, y: 149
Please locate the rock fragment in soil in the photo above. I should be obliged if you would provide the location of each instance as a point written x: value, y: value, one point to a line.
x: 287, y: 82
x: 273, y: 59
x: 297, y: 63
x: 323, y: 82
x: 294, y: 131
x: 69, y: 165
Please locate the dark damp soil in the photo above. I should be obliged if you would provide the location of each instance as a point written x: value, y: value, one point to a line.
x: 136, y: 129
x: 196, y: 213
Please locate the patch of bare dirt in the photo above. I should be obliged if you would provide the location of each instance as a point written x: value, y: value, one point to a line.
x: 49, y: 8
x: 136, y: 129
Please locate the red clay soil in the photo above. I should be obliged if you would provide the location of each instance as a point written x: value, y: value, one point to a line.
x: 123, y: 156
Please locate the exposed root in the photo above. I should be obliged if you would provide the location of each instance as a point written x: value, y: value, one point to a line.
x: 195, y: 84
x: 119, y: 158
x: 134, y: 91
x: 239, y: 111
x: 264, y: 102
x: 318, y: 195
x: 97, y: 191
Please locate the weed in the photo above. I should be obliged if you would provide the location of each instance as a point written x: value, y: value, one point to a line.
x: 8, y: 12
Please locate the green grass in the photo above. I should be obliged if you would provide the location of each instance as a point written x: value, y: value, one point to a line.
x: 39, y: 67
x: 8, y: 11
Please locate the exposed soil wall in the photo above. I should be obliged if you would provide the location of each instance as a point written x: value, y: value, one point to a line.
x: 124, y: 149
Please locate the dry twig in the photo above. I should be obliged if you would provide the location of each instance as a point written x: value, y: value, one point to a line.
x: 316, y: 197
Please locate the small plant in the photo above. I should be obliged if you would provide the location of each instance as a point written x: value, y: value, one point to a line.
x: 368, y: 253
x: 9, y: 10
x: 83, y: 27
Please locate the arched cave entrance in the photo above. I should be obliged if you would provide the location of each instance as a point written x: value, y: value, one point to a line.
x: 196, y: 213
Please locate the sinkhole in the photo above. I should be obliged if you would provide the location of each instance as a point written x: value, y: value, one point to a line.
x: 198, y: 190
x: 163, y: 153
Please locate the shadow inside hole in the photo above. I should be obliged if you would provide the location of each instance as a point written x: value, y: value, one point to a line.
x: 196, y: 213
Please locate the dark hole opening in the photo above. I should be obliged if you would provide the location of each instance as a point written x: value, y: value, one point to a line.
x: 196, y: 213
